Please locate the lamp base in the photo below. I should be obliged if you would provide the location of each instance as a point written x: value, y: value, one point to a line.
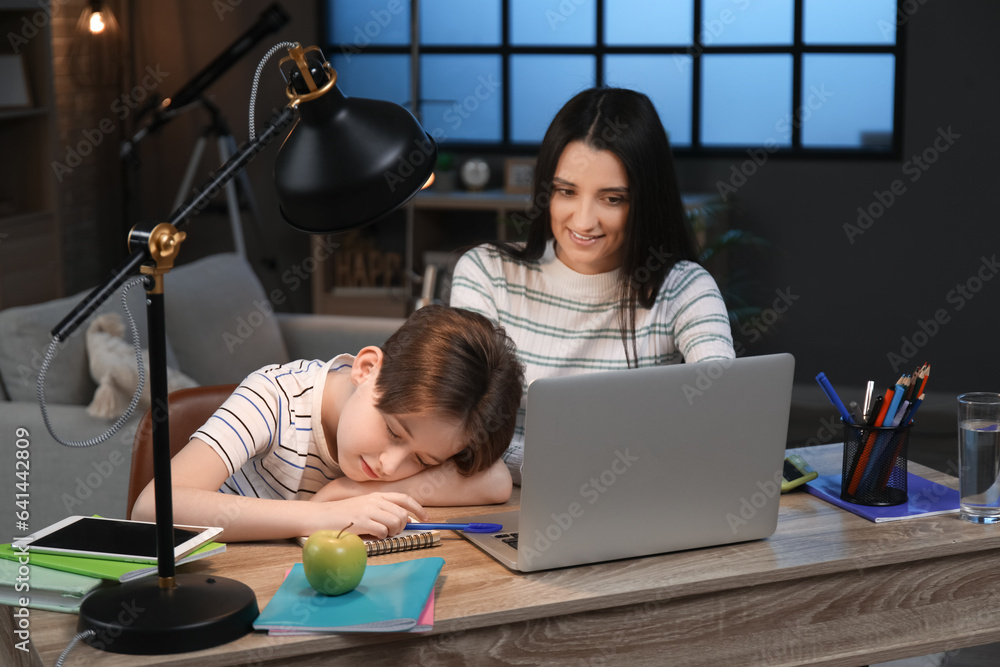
x: 140, y: 618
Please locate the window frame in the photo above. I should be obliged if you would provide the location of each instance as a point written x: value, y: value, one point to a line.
x: 797, y: 49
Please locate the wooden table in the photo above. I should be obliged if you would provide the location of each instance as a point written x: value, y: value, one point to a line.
x: 828, y: 588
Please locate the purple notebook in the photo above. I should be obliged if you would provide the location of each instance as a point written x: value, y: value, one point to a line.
x: 924, y: 498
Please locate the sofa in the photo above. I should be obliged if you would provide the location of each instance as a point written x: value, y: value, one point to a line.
x: 220, y: 326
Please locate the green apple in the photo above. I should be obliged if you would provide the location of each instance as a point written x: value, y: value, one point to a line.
x: 334, y: 562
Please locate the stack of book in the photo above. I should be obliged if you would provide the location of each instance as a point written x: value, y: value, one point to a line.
x: 396, y: 597
x: 59, y: 582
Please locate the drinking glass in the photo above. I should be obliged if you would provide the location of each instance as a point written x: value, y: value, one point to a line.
x: 979, y: 457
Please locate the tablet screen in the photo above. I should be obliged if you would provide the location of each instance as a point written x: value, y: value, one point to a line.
x: 108, y: 536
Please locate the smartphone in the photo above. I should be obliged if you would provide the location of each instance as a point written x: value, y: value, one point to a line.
x: 113, y: 539
x: 796, y: 472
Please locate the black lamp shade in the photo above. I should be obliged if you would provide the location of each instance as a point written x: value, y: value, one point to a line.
x: 350, y: 161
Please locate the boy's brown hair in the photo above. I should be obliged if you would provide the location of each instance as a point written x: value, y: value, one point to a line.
x: 457, y: 363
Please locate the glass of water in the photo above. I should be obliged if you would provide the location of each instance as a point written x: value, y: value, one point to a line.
x: 979, y: 457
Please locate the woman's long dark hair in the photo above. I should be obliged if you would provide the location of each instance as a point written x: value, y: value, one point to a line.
x: 625, y: 123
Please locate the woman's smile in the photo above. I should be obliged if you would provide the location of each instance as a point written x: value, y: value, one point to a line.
x: 590, y: 205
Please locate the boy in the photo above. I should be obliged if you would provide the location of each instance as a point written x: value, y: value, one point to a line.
x: 364, y: 439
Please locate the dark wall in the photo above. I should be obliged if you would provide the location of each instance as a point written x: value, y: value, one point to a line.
x: 854, y: 304
x: 922, y: 281
x: 178, y: 39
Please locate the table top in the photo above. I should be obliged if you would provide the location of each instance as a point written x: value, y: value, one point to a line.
x: 813, y: 539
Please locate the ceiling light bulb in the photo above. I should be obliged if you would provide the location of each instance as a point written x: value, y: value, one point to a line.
x: 96, y: 23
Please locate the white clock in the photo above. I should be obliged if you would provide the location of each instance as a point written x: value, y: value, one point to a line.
x: 475, y: 173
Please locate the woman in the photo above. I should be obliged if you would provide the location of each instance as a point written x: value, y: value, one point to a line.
x: 608, y: 277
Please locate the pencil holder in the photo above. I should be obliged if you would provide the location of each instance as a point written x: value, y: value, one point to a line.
x: 874, y: 465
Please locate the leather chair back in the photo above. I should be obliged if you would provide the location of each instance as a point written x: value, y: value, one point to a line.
x: 188, y: 410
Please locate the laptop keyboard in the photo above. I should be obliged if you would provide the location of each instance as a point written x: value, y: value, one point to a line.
x: 507, y: 538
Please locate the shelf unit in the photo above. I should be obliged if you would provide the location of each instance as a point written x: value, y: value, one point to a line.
x: 436, y: 224
x: 422, y: 231
x: 30, y: 238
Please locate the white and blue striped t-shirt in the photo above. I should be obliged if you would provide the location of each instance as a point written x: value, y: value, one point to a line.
x: 269, y: 432
x: 566, y: 323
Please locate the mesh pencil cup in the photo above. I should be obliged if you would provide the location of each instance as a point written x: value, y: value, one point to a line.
x: 874, y: 465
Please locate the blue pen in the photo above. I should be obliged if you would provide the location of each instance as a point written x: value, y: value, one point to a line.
x: 464, y: 527
x: 832, y: 395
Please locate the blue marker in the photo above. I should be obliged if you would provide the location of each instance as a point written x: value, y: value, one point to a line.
x: 832, y: 395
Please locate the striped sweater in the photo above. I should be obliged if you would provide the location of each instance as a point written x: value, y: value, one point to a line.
x: 565, y: 323
x: 269, y: 431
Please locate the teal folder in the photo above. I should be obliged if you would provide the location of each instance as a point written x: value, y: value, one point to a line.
x: 390, y: 598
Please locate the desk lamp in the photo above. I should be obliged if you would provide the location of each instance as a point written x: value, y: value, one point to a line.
x: 347, y: 162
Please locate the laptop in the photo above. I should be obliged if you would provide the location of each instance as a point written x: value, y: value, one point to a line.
x: 620, y: 464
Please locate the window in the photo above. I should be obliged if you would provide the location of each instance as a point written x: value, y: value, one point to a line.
x: 798, y: 77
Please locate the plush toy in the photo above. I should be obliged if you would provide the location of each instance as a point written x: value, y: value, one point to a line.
x: 113, y: 367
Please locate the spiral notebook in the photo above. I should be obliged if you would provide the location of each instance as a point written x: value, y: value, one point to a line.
x: 407, y: 540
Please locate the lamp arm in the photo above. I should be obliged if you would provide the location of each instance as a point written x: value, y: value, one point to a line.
x: 193, y: 206
x: 244, y: 154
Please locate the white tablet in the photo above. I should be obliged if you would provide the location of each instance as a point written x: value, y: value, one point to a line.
x: 113, y: 539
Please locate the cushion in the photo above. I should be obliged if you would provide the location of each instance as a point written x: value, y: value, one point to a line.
x: 219, y: 320
x: 113, y: 367
x: 25, y: 334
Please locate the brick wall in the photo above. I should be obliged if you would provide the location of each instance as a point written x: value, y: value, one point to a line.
x: 89, y: 178
x: 101, y: 198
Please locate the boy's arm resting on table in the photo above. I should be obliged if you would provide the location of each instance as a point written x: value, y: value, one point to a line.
x: 197, y: 472
x: 439, y: 486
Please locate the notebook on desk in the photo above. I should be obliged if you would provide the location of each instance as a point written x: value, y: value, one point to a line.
x: 620, y: 464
